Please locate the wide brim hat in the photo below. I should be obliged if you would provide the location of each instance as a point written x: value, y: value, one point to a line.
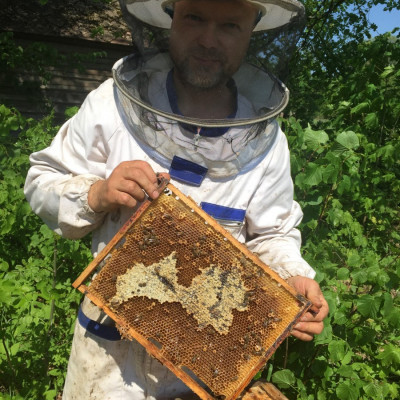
x: 274, y: 13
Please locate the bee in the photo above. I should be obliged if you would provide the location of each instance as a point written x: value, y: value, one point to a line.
x: 195, y: 358
x: 258, y: 350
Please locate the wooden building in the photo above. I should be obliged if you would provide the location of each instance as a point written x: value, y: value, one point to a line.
x: 72, y: 44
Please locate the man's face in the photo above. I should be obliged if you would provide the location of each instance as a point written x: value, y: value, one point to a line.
x: 209, y: 39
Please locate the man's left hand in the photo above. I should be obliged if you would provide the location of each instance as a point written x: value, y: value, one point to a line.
x: 311, y: 323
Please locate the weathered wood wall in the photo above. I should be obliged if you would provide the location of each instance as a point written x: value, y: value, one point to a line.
x: 68, y: 26
x: 68, y: 84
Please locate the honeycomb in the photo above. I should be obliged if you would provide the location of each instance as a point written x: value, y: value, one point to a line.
x: 196, y: 298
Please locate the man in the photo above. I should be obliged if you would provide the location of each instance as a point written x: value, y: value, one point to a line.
x: 201, y: 114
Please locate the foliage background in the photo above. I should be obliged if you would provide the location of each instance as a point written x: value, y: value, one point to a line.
x: 343, y: 129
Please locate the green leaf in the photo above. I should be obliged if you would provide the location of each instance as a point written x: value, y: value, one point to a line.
x: 393, y: 318
x: 14, y: 349
x: 326, y: 336
x: 6, y: 291
x: 71, y: 111
x: 7, y: 224
x: 50, y: 394
x: 3, y: 266
x: 390, y: 355
x: 337, y: 350
x: 348, y: 140
x: 284, y: 378
x: 361, y: 107
x: 345, y: 185
x: 341, y: 318
x: 388, y: 71
x: 386, y: 152
x: 315, y: 139
x: 347, y: 371
x: 375, y: 390
x: 368, y: 305
x: 313, y: 174
x: 388, y: 306
x: 371, y: 120
x: 354, y: 259
x: 347, y: 391
x: 343, y: 274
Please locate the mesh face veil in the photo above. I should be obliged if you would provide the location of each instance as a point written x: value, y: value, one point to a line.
x: 241, y: 47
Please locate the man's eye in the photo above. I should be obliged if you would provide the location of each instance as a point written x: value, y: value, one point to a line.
x: 193, y: 17
x: 231, y: 25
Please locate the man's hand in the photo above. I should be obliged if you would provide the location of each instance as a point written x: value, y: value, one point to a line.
x: 312, y: 322
x: 126, y: 186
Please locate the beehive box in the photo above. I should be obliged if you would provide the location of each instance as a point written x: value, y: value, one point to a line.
x: 197, y: 299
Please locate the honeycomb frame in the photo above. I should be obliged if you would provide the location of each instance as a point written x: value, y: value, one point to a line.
x: 197, y: 299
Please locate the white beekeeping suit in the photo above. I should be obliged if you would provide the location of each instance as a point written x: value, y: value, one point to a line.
x: 236, y: 168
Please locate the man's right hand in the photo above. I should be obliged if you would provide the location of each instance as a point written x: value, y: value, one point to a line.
x: 127, y: 185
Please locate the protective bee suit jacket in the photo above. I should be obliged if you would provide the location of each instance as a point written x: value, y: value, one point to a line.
x: 88, y: 148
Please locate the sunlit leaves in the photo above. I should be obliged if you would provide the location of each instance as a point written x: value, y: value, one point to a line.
x: 284, y: 378
x: 346, y: 171
x: 390, y: 355
x: 368, y: 305
x: 315, y: 139
x: 360, y: 108
x: 347, y: 391
x: 339, y: 352
x: 348, y: 140
x: 35, y: 273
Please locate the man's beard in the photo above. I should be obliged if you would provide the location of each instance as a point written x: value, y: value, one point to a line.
x: 202, y: 76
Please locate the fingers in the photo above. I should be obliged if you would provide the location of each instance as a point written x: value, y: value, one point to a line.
x: 314, y: 294
x: 307, y: 330
x: 134, y: 177
x: 306, y: 337
x: 311, y: 317
x: 127, y: 185
x: 311, y: 323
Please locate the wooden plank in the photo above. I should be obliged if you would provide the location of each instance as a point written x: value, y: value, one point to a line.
x: 262, y: 390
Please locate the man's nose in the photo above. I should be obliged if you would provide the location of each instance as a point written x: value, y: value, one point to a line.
x: 208, y: 37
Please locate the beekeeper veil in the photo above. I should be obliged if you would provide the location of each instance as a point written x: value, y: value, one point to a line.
x: 147, y: 80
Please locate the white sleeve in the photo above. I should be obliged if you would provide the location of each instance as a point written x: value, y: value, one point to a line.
x: 273, y: 215
x: 60, y: 176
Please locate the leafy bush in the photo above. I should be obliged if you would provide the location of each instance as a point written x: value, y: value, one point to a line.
x: 37, y: 303
x: 347, y: 179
